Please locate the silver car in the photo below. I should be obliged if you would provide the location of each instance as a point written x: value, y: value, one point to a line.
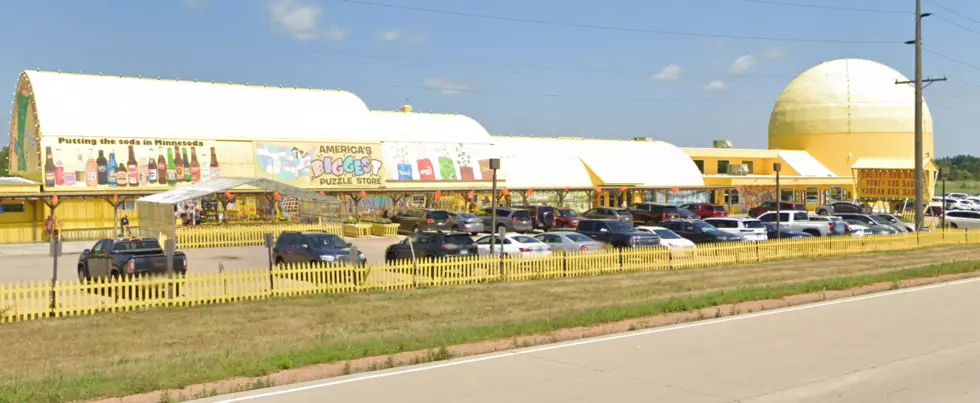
x: 466, y: 222
x: 569, y: 242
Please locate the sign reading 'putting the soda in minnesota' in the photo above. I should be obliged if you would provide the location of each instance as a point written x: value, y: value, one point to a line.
x: 410, y: 161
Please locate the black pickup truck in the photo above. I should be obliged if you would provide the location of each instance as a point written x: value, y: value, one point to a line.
x: 617, y: 234
x: 128, y: 256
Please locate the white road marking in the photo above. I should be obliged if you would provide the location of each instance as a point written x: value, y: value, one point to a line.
x: 602, y: 339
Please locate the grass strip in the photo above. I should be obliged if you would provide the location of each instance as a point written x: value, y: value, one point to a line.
x: 173, y: 349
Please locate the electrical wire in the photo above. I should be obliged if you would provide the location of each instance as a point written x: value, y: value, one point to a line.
x: 952, y: 59
x: 823, y: 7
x: 610, y: 28
x: 954, y: 12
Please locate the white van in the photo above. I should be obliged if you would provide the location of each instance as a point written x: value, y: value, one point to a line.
x: 750, y: 229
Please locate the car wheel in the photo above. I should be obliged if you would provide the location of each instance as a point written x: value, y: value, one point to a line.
x: 953, y: 225
x: 455, y: 228
x: 823, y: 212
x: 389, y: 257
x: 82, y: 274
x: 279, y: 261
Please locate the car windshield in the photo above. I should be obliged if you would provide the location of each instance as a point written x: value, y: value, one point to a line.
x: 459, y: 239
x: 578, y: 238
x: 704, y: 227
x: 620, y: 227
x: 437, y: 215
x: 752, y: 224
x: 465, y: 216
x: 567, y: 213
x: 525, y: 239
x: 879, y: 220
x: 666, y: 234
x: 888, y: 218
x: 326, y: 241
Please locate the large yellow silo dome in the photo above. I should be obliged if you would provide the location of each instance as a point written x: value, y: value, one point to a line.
x: 843, y: 110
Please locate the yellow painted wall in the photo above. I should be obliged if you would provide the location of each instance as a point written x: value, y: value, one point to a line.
x: 838, y: 152
x: 761, y: 166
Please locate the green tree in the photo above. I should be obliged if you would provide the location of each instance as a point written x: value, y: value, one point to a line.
x: 5, y: 161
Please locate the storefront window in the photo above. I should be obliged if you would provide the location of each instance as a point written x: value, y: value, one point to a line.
x: 700, y: 164
x: 732, y: 197
x: 812, y: 195
x: 787, y: 195
x: 836, y: 194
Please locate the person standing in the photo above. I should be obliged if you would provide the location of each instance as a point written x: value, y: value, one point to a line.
x: 124, y: 225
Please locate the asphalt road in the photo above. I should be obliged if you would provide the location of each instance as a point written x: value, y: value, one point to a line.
x: 914, y: 345
x: 27, y: 262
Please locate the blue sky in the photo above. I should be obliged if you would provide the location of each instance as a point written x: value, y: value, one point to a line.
x: 515, y: 77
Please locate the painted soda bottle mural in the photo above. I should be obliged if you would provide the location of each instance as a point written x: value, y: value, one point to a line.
x: 214, y: 165
x: 80, y: 169
x: 103, y: 174
x: 171, y: 168
x: 72, y: 173
x: 447, y: 169
x: 426, y: 171
x: 187, y: 166
x: 179, y: 165
x: 59, y: 168
x: 122, y: 175
x: 152, y: 175
x: 205, y: 171
x: 49, y: 168
x: 132, y: 168
x: 485, y: 171
x: 91, y: 170
x: 162, y: 168
x: 112, y: 169
x: 195, y: 167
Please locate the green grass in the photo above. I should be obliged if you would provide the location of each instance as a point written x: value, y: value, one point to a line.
x: 968, y: 187
x: 122, y: 354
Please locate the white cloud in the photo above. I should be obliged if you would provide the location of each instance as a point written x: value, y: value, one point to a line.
x: 716, y: 85
x: 773, y: 53
x: 301, y: 20
x: 447, y: 86
x: 399, y: 35
x: 669, y: 73
x: 390, y: 36
x: 742, y: 65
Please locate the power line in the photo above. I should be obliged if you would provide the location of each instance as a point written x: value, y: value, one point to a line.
x: 952, y: 59
x: 954, y: 23
x: 822, y: 7
x: 607, y: 27
x: 952, y: 11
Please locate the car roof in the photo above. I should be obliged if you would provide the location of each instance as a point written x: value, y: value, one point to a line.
x: 653, y: 227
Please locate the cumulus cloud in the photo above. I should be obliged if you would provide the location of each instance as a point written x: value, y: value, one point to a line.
x: 716, y: 85
x: 773, y: 53
x: 301, y: 20
x: 447, y: 86
x: 399, y: 35
x: 669, y: 73
x: 742, y: 65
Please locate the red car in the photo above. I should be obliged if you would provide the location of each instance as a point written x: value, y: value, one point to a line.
x: 705, y: 210
x: 567, y: 218
x: 771, y: 206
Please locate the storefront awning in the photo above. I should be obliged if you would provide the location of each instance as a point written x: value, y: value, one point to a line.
x: 890, y: 163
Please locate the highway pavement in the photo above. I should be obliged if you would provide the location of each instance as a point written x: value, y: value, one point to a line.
x: 914, y: 345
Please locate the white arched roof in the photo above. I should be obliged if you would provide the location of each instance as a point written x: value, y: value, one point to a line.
x: 101, y: 106
x: 427, y: 127
x: 555, y: 162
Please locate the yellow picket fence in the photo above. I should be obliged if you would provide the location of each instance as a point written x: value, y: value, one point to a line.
x: 241, y: 235
x: 32, y: 300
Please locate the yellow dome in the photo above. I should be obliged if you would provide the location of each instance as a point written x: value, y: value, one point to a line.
x: 846, y: 109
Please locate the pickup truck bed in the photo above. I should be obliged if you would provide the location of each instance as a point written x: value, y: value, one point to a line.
x: 113, y: 257
x: 798, y: 221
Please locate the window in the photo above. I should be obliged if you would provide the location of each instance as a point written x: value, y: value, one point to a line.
x: 12, y: 208
x: 128, y: 205
x: 800, y: 217
x: 700, y: 164
x: 812, y: 195
x: 750, y: 165
x: 788, y: 195
x: 722, y: 167
x: 731, y: 197
x: 836, y: 194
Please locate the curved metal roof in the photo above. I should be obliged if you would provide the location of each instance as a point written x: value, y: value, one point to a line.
x: 427, y: 127
x: 100, y: 106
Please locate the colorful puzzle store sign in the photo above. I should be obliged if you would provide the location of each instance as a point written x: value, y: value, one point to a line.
x: 321, y: 165
x: 410, y: 161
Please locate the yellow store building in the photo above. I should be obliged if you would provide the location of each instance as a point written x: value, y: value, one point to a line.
x: 91, y: 144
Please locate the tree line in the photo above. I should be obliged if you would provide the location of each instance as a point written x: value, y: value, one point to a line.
x: 961, y: 167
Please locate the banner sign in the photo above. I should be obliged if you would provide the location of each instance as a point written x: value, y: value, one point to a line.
x: 410, y: 161
x: 321, y: 165
x: 886, y: 183
x: 109, y: 163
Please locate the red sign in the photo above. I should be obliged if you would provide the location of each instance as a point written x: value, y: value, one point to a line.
x: 886, y: 184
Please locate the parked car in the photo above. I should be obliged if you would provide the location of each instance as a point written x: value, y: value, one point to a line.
x: 466, y: 222
x: 750, y: 229
x: 957, y: 195
x: 567, y: 218
x: 899, y: 221
x: 316, y: 247
x: 654, y: 213
x: 784, y: 232
x: 128, y: 256
x: 432, y: 245
x: 841, y: 207
x: 668, y: 238
x: 798, y: 221
x: 617, y: 233
x: 856, y: 229
x: 569, y: 242
x: 705, y: 210
x: 513, y: 220
x: 542, y: 217
x: 609, y: 213
x: 418, y: 220
x: 755, y: 212
x: 877, y: 225
x: 837, y: 225
x: 699, y: 231
x: 863, y: 228
x: 963, y: 219
x: 521, y: 245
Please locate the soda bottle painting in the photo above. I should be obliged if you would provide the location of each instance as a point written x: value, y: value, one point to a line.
x: 426, y: 171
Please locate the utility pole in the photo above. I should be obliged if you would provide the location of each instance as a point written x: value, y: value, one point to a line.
x: 919, y: 174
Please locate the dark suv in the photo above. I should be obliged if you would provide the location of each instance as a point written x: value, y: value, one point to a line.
x: 432, y: 244
x: 417, y: 220
x: 513, y: 220
x: 316, y: 247
x: 617, y: 233
x: 699, y: 231
x: 543, y: 216
x: 654, y: 213
x: 609, y: 213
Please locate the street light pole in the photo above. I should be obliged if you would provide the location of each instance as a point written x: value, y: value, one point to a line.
x: 779, y: 197
x: 943, y: 173
x: 494, y: 166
